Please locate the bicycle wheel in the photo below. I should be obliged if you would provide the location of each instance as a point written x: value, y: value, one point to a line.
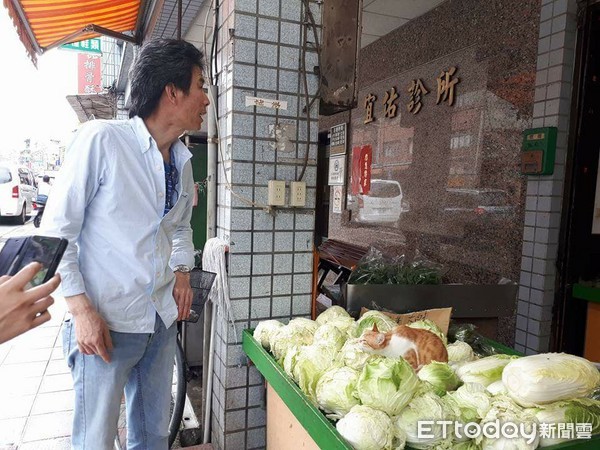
x: 178, y: 394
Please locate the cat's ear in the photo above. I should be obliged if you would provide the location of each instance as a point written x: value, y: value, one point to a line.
x: 375, y: 328
x: 380, y: 339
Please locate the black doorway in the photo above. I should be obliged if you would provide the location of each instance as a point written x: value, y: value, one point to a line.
x: 579, y: 249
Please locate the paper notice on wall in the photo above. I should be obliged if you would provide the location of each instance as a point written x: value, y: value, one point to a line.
x: 266, y: 102
x: 337, y: 170
x: 337, y: 200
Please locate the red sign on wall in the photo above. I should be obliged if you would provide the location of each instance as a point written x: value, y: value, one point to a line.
x: 361, y: 169
x: 89, y: 74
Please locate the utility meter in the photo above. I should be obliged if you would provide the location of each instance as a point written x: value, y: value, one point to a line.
x: 538, y: 151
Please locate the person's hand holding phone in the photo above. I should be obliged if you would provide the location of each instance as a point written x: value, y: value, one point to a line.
x: 23, y: 308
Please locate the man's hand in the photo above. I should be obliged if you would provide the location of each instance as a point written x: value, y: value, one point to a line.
x: 93, y: 336
x: 182, y: 292
x: 22, y: 309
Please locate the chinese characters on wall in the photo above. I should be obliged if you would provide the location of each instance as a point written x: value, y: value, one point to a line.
x: 89, y: 74
x: 446, y: 83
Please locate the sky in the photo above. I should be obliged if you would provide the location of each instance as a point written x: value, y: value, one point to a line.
x: 32, y: 101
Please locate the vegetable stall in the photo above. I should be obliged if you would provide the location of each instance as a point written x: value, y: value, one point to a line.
x: 323, y: 382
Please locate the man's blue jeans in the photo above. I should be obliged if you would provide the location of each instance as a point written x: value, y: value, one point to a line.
x: 142, y: 366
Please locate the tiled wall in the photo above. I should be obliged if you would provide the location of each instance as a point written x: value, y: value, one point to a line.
x: 554, y: 81
x: 270, y: 265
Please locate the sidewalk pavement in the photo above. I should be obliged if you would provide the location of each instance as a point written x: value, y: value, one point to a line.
x: 36, y: 395
x: 36, y: 389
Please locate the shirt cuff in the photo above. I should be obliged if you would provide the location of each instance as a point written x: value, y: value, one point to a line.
x: 72, y: 283
x: 182, y: 258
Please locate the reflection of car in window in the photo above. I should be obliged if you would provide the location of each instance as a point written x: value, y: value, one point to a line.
x: 477, y: 208
x: 383, y: 203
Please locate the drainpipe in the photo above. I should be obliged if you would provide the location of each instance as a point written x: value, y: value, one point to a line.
x: 211, y: 180
x: 211, y: 232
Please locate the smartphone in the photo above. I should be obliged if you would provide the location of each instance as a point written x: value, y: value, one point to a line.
x: 18, y: 252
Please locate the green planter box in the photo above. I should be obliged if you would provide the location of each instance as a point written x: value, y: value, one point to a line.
x: 321, y: 429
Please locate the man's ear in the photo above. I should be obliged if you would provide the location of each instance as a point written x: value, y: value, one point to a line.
x: 171, y: 92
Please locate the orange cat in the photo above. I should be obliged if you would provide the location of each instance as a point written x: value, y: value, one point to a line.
x: 417, y: 346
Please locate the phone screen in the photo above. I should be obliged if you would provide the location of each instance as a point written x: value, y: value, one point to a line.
x: 39, y: 249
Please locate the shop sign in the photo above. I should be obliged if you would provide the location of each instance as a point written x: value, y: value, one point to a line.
x: 337, y: 170
x: 337, y: 200
x: 362, y: 157
x: 89, y: 74
x: 337, y: 139
x: 88, y: 46
x: 446, y: 85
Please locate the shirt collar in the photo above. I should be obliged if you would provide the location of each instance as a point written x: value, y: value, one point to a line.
x: 145, y: 139
x: 141, y: 132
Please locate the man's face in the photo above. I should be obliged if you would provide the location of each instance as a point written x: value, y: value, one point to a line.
x: 193, y: 105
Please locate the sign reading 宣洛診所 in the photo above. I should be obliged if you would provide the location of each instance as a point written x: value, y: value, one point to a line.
x: 93, y: 45
x: 337, y: 139
x: 337, y: 170
x: 446, y: 83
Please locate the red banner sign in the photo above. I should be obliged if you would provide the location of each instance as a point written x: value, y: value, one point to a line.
x: 362, y: 158
x: 89, y: 74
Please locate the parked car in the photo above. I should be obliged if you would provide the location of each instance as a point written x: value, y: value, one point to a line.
x: 383, y: 204
x: 18, y: 190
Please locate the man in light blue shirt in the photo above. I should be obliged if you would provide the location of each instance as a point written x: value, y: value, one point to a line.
x: 124, y: 201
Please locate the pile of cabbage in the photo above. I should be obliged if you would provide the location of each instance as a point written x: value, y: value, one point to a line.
x: 378, y: 402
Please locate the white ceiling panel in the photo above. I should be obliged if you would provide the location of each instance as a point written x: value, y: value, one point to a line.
x: 378, y: 25
x: 408, y: 9
x: 380, y: 17
x: 366, y: 39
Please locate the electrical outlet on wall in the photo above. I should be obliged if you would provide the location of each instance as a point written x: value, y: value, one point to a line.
x: 276, y: 195
x: 297, y: 193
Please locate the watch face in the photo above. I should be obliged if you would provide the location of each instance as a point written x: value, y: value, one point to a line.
x: 182, y: 268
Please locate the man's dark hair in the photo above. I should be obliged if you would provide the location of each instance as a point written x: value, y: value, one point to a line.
x: 46, y: 179
x: 160, y: 62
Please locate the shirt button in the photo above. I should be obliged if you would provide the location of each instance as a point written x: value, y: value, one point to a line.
x: 160, y: 195
x: 158, y: 274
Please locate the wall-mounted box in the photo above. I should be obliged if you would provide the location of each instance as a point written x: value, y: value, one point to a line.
x: 538, y: 151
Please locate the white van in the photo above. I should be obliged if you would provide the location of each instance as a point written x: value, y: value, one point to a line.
x: 383, y: 204
x: 18, y: 190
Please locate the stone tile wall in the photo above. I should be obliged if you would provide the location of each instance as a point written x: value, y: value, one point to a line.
x: 554, y: 82
x: 270, y: 262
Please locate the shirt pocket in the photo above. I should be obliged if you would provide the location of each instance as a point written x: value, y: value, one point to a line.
x: 178, y: 210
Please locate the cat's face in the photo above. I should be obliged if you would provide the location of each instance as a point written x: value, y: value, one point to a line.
x: 372, y: 340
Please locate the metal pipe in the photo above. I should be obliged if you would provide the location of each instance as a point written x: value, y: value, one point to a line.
x: 209, y: 384
x: 208, y: 307
x: 179, y: 13
x: 212, y: 153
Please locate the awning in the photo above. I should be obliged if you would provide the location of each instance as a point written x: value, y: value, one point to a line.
x: 93, y: 106
x: 45, y: 24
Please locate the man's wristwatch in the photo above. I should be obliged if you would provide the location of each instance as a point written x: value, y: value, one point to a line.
x: 182, y: 268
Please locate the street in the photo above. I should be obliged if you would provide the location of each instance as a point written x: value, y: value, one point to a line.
x: 8, y: 230
x: 36, y: 401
